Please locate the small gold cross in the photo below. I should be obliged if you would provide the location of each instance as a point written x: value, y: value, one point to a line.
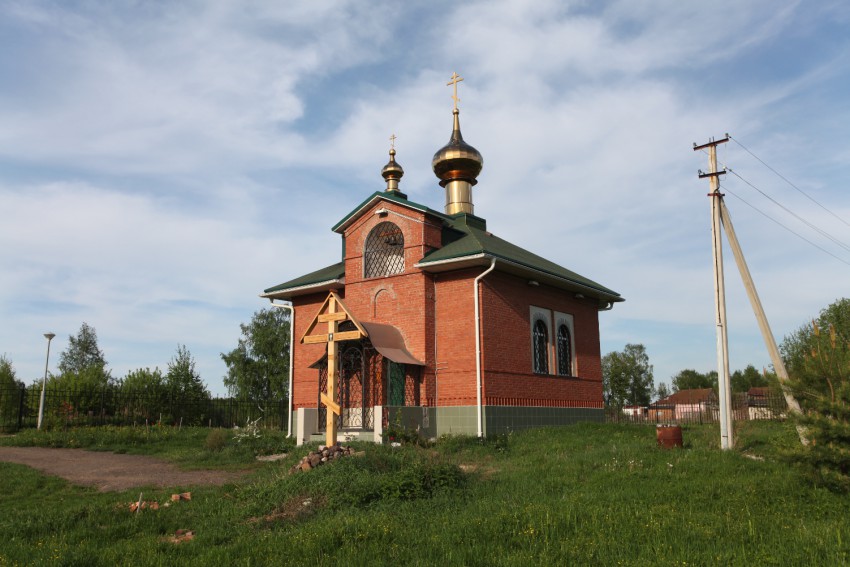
x: 392, y: 142
x: 455, y: 80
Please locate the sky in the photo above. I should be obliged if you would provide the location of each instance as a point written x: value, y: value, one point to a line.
x: 162, y: 163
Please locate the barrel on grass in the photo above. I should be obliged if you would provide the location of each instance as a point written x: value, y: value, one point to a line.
x: 669, y: 436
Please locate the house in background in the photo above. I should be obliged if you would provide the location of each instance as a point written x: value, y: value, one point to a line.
x: 765, y: 403
x: 636, y: 411
x: 686, y: 405
x: 439, y: 323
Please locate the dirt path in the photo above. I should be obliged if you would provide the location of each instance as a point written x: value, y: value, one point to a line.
x: 112, y: 471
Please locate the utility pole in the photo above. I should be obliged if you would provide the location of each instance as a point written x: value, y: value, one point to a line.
x: 724, y: 386
x: 764, y: 326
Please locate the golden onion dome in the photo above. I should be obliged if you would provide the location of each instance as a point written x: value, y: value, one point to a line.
x: 457, y: 160
x: 391, y: 173
x: 392, y: 170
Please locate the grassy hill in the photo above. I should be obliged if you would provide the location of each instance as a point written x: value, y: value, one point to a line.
x: 588, y: 494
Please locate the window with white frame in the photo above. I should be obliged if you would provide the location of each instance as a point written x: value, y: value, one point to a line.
x: 540, y: 340
x: 540, y: 336
x: 564, y: 346
x: 552, y: 342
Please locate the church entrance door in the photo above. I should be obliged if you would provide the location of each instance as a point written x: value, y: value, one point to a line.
x: 354, y: 387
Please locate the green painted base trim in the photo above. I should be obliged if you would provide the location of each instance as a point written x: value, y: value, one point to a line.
x: 414, y: 418
x: 504, y: 419
x: 457, y: 420
x: 462, y: 420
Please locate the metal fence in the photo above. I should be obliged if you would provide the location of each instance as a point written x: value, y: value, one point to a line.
x: 768, y: 406
x: 113, y: 406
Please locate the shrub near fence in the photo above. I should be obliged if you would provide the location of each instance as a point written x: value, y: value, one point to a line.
x: 112, y: 406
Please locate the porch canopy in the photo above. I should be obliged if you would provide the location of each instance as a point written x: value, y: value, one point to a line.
x: 387, y: 340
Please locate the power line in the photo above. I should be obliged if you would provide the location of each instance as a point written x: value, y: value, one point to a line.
x: 792, y: 213
x: 812, y: 199
x: 801, y: 237
x: 786, y: 209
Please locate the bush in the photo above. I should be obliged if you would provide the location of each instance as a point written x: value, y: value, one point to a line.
x: 827, y: 456
x: 379, y: 475
x: 822, y: 382
x: 396, y: 432
x: 216, y: 440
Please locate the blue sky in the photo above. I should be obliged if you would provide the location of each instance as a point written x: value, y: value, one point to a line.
x: 163, y: 163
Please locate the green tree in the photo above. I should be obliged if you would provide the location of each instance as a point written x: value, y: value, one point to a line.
x: 144, y: 381
x: 826, y: 458
x: 82, y: 352
x: 662, y: 391
x: 10, y: 391
x: 82, y: 365
x: 79, y: 390
x: 188, y: 396
x: 818, y: 361
x: 749, y: 377
x: 145, y: 393
x: 627, y: 377
x: 813, y: 364
x: 8, y: 377
x: 182, y: 380
x: 690, y: 379
x: 258, y: 368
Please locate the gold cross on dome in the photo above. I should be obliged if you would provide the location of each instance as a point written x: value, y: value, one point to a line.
x: 455, y: 80
x: 392, y: 142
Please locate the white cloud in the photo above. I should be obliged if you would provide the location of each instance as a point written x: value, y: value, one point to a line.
x: 163, y: 158
x: 179, y: 90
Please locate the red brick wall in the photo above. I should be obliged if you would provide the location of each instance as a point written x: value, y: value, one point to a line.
x: 305, y: 381
x: 506, y: 343
x: 455, y: 338
x: 404, y: 300
x: 421, y: 305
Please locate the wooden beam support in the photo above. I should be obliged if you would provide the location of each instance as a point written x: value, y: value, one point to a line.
x: 348, y: 336
x: 328, y: 317
x: 332, y: 405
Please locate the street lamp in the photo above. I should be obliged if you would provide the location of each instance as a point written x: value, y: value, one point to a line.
x: 49, y: 337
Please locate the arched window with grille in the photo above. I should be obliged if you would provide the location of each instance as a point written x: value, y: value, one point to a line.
x: 383, y: 254
x: 565, y: 355
x: 540, y: 344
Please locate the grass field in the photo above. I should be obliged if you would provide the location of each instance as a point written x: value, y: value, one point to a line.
x: 588, y: 494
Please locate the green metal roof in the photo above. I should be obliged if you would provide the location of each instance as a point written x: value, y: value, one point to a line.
x: 464, y: 237
x: 328, y: 274
x: 395, y: 198
x: 474, y: 241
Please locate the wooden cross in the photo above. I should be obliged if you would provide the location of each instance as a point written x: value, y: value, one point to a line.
x: 333, y: 312
x: 455, y: 80
x: 392, y: 142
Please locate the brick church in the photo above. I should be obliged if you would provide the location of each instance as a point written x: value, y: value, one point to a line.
x: 435, y: 322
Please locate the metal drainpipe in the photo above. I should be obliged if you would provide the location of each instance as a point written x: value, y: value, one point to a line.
x: 291, y: 362
x: 478, y: 344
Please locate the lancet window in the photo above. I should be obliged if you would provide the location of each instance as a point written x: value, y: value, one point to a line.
x: 540, y: 345
x: 565, y: 357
